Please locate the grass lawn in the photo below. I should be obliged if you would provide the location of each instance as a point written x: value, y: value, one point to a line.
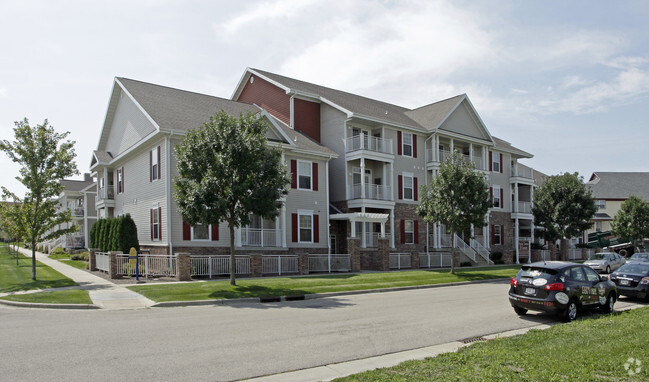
x: 591, y: 349
x: 76, y: 263
x: 72, y: 296
x: 19, y: 277
x: 286, y: 286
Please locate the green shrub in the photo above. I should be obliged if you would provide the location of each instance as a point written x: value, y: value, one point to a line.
x: 497, y: 258
x: 127, y: 234
x: 80, y: 256
x: 58, y: 251
x: 93, y: 235
x: 115, y: 234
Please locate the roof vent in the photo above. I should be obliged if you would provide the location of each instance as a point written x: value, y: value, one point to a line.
x: 386, y: 112
x: 252, y: 79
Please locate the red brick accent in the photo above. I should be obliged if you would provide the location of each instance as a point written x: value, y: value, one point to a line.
x: 267, y: 96
x: 183, y: 266
x: 307, y: 118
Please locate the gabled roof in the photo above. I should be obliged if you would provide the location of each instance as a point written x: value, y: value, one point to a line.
x: 619, y: 185
x: 75, y: 185
x: 431, y: 116
x: 507, y: 147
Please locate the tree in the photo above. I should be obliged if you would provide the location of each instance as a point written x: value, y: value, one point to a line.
x: 12, y: 222
x: 44, y: 159
x: 563, y: 207
x: 457, y: 197
x: 632, y: 220
x: 227, y: 171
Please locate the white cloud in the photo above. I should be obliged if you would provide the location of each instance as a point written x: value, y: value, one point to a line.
x: 3, y: 92
x: 261, y: 12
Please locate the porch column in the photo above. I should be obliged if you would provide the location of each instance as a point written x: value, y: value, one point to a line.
x: 278, y: 232
x: 353, y: 226
x: 283, y: 222
x: 237, y: 236
x: 362, y: 178
x: 391, y: 181
x: 515, y: 206
x: 452, y: 148
x: 470, y: 151
x: 532, y: 230
x: 382, y: 195
x: 392, y: 228
x: 436, y: 148
x: 383, y: 229
x: 516, y: 241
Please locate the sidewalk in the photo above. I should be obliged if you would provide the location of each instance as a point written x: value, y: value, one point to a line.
x: 103, y: 293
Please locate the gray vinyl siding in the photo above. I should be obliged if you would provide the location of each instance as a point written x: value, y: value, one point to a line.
x: 128, y: 128
x: 461, y: 122
x: 502, y: 180
x: 332, y: 122
x: 404, y: 164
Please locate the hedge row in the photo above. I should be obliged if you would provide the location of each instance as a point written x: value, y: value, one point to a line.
x: 114, y: 234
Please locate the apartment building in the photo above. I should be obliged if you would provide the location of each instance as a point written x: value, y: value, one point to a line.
x: 385, y: 152
x: 135, y: 164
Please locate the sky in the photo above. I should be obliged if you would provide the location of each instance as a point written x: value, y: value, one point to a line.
x: 567, y: 81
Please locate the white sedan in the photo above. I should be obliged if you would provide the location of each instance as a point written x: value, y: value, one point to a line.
x: 605, y: 262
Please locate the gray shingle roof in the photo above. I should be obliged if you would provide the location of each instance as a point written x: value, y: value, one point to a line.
x: 430, y: 116
x: 506, y: 146
x: 75, y: 185
x: 619, y: 185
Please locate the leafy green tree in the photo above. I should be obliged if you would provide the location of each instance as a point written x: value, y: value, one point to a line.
x: 632, y: 220
x: 563, y: 207
x: 13, y: 223
x: 227, y: 171
x: 44, y: 159
x: 457, y: 197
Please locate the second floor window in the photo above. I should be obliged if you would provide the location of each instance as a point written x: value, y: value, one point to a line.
x: 304, y: 175
x: 497, y: 196
x: 495, y: 166
x: 408, y: 187
x: 120, y: 180
x: 600, y: 204
x: 154, y: 159
x: 407, y: 145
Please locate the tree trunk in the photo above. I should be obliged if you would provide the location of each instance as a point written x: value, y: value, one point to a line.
x: 33, y: 260
x: 233, y: 264
x: 564, y: 243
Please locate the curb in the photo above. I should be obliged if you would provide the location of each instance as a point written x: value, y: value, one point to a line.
x: 266, y: 299
x: 48, y: 306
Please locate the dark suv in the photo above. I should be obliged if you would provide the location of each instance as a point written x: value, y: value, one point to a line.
x: 561, y: 288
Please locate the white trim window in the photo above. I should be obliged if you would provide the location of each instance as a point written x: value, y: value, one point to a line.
x: 305, y: 226
x: 408, y: 186
x: 495, y: 162
x: 406, y: 144
x: 155, y: 223
x: 600, y: 204
x: 304, y: 181
x: 498, y: 235
x: 154, y: 163
x: 409, y: 232
x: 201, y: 232
x: 497, y: 202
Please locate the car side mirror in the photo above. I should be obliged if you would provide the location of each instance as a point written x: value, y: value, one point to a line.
x: 603, y: 278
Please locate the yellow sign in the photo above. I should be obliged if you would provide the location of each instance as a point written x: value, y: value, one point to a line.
x: 132, y: 257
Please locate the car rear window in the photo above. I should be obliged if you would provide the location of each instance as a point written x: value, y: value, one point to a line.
x: 640, y: 256
x: 634, y: 268
x: 536, y: 272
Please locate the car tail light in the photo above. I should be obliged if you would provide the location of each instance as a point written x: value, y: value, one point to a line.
x: 513, y: 281
x: 554, y: 286
x: 645, y: 280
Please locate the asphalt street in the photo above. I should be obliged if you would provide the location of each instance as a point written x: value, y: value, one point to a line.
x: 245, y: 340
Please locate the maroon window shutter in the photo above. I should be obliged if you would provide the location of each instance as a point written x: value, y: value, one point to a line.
x: 502, y: 235
x: 400, y: 187
x: 187, y: 231
x: 215, y: 232
x: 151, y: 225
x: 159, y: 163
x: 403, y: 231
x: 399, y: 142
x: 502, y: 202
x: 150, y: 166
x: 316, y: 228
x: 415, y: 192
x: 414, y: 146
x: 493, y: 235
x: 491, y: 195
x: 123, y: 181
x: 315, y: 176
x: 491, y: 161
x: 501, y: 163
x: 293, y: 173
x: 159, y: 221
x: 416, y: 225
x: 294, y: 227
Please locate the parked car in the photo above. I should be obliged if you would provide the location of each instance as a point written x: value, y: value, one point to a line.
x: 561, y: 288
x: 639, y: 257
x: 605, y: 261
x: 632, y: 279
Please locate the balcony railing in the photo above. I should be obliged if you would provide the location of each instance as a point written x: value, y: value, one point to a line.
x: 522, y: 172
x: 261, y: 237
x: 106, y: 193
x: 524, y: 207
x: 372, y: 191
x: 364, y: 142
x: 441, y: 156
x: 77, y: 212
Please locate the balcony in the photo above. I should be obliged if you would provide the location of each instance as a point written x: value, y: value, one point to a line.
x: 372, y: 191
x: 522, y: 173
x: 106, y: 193
x: 375, y: 144
x: 261, y: 237
x: 441, y: 156
x: 77, y: 212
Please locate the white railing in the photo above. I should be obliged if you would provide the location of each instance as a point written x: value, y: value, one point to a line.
x: 77, y: 212
x: 279, y: 264
x: 261, y: 237
x: 434, y: 260
x: 574, y: 253
x: 102, y: 261
x: 546, y: 255
x: 106, y: 193
x: 330, y: 263
x: 522, y: 172
x: 218, y: 265
x: 372, y: 191
x: 147, y: 265
x: 525, y: 207
x: 480, y: 250
x: 446, y: 240
x: 364, y: 142
x: 462, y: 246
x: 400, y: 261
x: 590, y: 252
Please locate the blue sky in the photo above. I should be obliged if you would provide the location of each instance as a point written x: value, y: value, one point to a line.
x: 565, y: 81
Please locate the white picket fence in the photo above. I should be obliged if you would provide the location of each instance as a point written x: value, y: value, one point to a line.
x: 574, y: 254
x: 102, y: 261
x: 147, y: 265
x: 546, y: 255
x: 400, y: 261
x: 279, y: 264
x: 218, y: 265
x: 434, y: 260
x: 330, y: 263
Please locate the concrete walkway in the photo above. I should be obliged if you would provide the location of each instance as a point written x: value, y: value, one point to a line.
x: 103, y: 293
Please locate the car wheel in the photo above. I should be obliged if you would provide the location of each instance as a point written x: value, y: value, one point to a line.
x: 571, y: 311
x: 520, y: 311
x: 608, y: 269
x: 610, y: 302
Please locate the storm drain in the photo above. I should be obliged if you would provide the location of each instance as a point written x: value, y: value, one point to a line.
x: 473, y: 339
